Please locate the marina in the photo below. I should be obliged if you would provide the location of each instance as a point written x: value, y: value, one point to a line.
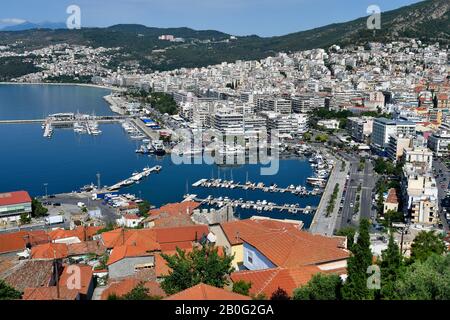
x: 219, y: 183
x: 259, y: 205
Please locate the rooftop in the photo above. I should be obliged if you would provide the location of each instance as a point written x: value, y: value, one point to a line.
x: 206, y: 292
x: 14, y: 197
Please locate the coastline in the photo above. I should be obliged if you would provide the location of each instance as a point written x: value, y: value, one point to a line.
x: 91, y: 85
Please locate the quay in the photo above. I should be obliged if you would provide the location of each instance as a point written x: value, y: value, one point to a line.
x: 218, y: 183
x: 257, y: 205
x: 135, y: 178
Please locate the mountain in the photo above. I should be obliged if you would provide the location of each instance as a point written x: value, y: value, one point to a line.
x: 428, y: 21
x: 30, y: 26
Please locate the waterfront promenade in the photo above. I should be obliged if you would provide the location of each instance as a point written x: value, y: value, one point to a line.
x: 323, y: 224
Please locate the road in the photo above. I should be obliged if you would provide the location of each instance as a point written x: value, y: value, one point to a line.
x: 367, y: 180
x: 442, y: 179
x: 321, y: 223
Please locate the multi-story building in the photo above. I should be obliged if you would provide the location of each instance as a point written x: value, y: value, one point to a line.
x: 228, y: 122
x: 397, y: 146
x: 439, y: 142
x: 278, y: 105
x: 360, y: 128
x: 13, y: 205
x: 383, y: 128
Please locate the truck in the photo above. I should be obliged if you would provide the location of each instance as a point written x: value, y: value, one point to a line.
x: 54, y: 220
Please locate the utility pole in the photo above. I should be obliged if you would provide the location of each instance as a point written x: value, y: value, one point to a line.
x: 46, y: 193
x: 98, y: 181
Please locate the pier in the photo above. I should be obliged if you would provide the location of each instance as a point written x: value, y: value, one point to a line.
x: 135, y: 178
x: 257, y: 205
x: 218, y: 183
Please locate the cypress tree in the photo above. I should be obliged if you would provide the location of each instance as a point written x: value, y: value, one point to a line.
x: 355, y: 287
x: 391, y: 269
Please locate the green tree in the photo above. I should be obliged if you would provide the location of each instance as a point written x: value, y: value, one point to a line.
x: 25, y: 218
x: 203, y: 265
x: 426, y: 280
x: 320, y: 287
x: 355, y: 287
x: 37, y: 210
x: 425, y: 244
x: 144, y: 208
x: 7, y: 292
x: 242, y: 287
x: 280, y: 294
x: 391, y: 268
x: 348, y: 232
x: 307, y: 136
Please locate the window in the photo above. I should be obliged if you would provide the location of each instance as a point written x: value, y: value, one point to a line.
x: 143, y: 266
x: 250, y: 257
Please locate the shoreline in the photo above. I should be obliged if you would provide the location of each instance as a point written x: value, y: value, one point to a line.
x: 115, y: 89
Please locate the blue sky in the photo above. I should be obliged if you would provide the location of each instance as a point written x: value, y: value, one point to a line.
x: 239, y: 17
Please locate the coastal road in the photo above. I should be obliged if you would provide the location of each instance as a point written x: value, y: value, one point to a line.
x: 364, y: 182
x: 321, y: 223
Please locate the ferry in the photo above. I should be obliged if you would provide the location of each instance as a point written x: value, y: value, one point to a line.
x: 158, y: 147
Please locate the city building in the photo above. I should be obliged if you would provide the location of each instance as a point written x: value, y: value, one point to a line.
x: 360, y: 128
x: 13, y: 205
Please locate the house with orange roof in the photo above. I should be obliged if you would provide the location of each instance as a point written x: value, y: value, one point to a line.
x: 124, y: 261
x: 50, y: 251
x: 77, y: 235
x: 19, y: 241
x: 206, y: 292
x: 50, y: 293
x: 171, y: 215
x: 391, y: 202
x: 269, y: 280
x: 79, y: 277
x: 230, y: 235
x: 121, y: 288
x: 293, y: 249
x: 32, y: 274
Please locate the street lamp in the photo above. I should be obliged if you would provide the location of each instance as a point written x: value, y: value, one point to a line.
x: 45, y: 186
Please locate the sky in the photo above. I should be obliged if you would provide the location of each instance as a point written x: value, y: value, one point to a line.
x: 237, y: 17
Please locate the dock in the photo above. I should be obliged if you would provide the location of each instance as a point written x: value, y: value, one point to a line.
x: 218, y: 183
x: 259, y: 205
x: 135, y: 178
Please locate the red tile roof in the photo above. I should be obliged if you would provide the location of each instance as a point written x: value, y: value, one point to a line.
x: 50, y: 293
x: 50, y: 251
x: 31, y: 274
x: 299, y: 248
x: 125, y: 286
x: 17, y: 241
x: 82, y: 233
x: 145, y: 238
x: 121, y: 252
x: 235, y: 231
x: 15, y: 197
x: 269, y: 280
x: 86, y: 277
x: 392, y: 196
x: 180, y: 234
x: 206, y: 292
x: 176, y: 208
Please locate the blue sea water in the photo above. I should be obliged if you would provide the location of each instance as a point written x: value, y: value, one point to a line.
x: 69, y: 161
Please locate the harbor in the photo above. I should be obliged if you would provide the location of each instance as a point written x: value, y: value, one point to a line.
x: 219, y: 183
x: 258, y: 205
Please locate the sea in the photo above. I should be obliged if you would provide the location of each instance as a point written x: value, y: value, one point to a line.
x: 68, y: 161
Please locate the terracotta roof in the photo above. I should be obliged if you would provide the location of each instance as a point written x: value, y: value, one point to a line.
x: 392, y: 196
x: 86, y: 247
x: 236, y: 230
x: 132, y: 217
x: 299, y: 248
x: 269, y: 280
x: 165, y: 220
x: 31, y: 274
x: 50, y: 251
x: 125, y: 286
x: 143, y: 237
x: 15, y: 197
x: 121, y: 252
x: 86, y: 277
x: 206, y: 292
x: 82, y: 233
x: 17, y: 241
x: 50, y: 293
x: 180, y: 234
x: 185, y: 208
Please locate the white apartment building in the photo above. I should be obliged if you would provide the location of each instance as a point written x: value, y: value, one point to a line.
x: 228, y: 122
x: 278, y: 105
x: 383, y: 128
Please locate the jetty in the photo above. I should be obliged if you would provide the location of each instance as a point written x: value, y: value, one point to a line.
x: 134, y: 178
x: 218, y: 183
x: 259, y: 205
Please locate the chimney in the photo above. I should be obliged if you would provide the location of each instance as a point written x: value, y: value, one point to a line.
x: 238, y: 239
